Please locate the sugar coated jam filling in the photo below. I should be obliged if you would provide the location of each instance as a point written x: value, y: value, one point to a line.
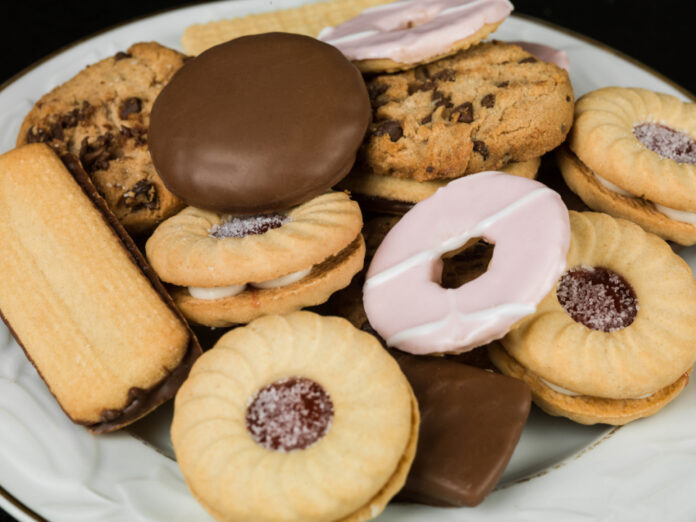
x: 241, y: 226
x: 666, y: 142
x: 289, y: 414
x: 597, y: 297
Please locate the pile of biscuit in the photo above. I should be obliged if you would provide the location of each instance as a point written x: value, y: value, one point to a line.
x: 381, y: 175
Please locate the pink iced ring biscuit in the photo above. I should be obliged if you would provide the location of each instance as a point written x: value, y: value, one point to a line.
x: 412, y: 31
x: 528, y: 224
x: 545, y: 53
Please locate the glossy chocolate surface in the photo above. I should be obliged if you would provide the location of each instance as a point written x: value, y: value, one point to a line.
x: 471, y: 421
x: 259, y: 124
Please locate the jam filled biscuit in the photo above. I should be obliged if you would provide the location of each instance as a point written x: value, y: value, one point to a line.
x: 259, y: 124
x: 101, y: 116
x: 632, y: 154
x: 613, y: 341
x: 477, y: 110
x: 404, y: 298
x: 237, y: 268
x: 400, y: 35
x: 79, y: 298
x: 295, y: 418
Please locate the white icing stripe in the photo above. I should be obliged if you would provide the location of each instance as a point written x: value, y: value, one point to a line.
x: 677, y: 215
x: 452, y: 243
x: 349, y: 37
x: 508, y: 309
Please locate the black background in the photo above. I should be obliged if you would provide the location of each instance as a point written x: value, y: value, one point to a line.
x: 658, y: 33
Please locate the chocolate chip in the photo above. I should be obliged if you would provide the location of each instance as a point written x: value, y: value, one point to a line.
x: 488, y: 101
x: 465, y: 112
x: 503, y: 85
x: 38, y: 135
x: 427, y: 119
x: 129, y: 106
x: 446, y: 75
x: 415, y: 87
x: 422, y: 74
x: 529, y: 59
x: 481, y: 148
x: 142, y: 194
x: 442, y: 99
x: 375, y: 91
x: 121, y: 55
x: 96, y: 155
x: 567, y: 98
x: 86, y: 112
x: 389, y: 127
x: 429, y: 168
x: 137, y: 134
x: 56, y: 131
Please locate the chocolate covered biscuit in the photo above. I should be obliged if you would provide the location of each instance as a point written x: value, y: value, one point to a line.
x: 103, y: 335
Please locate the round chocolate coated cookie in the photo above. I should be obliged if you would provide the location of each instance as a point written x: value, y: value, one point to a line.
x: 259, y: 123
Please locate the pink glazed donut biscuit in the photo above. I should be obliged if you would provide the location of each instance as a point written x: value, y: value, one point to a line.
x: 528, y: 224
x: 399, y: 35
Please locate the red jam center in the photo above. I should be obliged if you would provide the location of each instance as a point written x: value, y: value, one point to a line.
x: 240, y: 226
x: 666, y: 142
x: 289, y: 414
x: 597, y: 297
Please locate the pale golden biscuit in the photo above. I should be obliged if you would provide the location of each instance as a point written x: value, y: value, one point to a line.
x: 341, y: 470
x: 101, y: 333
x: 585, y: 409
x: 594, y: 194
x: 321, y: 236
x: 325, y: 278
x: 406, y: 190
x: 647, y: 350
x: 605, y: 136
x: 387, y: 65
x: 307, y: 19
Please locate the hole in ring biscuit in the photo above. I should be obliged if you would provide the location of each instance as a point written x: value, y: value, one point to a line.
x: 467, y: 263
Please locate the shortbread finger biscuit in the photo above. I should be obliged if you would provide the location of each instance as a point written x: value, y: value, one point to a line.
x: 102, y: 334
x: 278, y: 422
x: 307, y: 19
x: 620, y: 322
x: 585, y: 409
x: 401, y: 35
x: 102, y: 116
x: 396, y: 195
x: 477, y: 110
x: 598, y: 196
x: 632, y: 154
x: 249, y: 266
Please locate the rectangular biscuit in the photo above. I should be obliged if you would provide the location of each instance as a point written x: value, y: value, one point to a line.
x: 307, y: 19
x: 99, y: 331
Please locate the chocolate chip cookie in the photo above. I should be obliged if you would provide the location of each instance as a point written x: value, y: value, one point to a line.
x: 101, y: 116
x: 477, y: 110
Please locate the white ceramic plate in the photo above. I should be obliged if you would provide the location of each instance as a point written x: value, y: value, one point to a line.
x: 560, y: 470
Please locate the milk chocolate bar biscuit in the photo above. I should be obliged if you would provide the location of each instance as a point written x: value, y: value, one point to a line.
x: 307, y: 19
x: 477, y: 110
x: 102, y: 116
x: 75, y: 293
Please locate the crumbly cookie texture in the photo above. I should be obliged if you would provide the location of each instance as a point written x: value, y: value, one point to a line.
x: 639, y: 354
x: 346, y: 473
x: 101, y: 116
x: 477, y: 110
x: 582, y: 181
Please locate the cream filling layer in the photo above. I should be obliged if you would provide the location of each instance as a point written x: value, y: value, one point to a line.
x: 565, y: 391
x: 677, y: 215
x: 219, y: 292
